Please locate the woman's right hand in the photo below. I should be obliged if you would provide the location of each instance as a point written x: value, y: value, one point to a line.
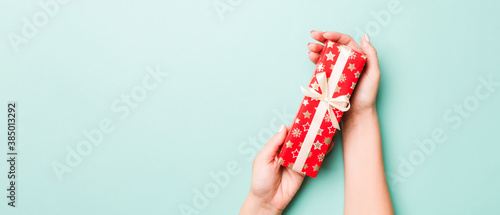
x: 363, y: 100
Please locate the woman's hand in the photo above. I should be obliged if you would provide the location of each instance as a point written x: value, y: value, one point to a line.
x: 273, y: 186
x: 363, y: 100
x: 366, y: 190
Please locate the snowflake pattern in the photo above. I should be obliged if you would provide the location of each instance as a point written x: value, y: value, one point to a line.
x: 327, y: 117
x: 296, y: 132
x: 342, y: 78
x: 352, y: 55
x: 321, y: 157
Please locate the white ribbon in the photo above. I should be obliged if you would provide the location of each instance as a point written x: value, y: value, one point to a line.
x: 327, y: 103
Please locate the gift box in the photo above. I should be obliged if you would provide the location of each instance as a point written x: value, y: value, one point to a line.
x: 325, y: 99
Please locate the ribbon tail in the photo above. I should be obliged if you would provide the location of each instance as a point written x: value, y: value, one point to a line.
x: 333, y: 118
x: 304, y: 91
x: 311, y: 93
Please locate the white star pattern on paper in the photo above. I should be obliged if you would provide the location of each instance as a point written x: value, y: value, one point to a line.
x: 330, y: 56
x: 331, y: 129
x: 305, y: 102
x: 353, y: 85
x: 317, y: 145
x: 297, y: 120
x: 295, y: 153
x: 330, y: 44
x: 363, y: 56
x: 306, y: 126
x: 315, y: 85
x: 321, y: 67
x: 337, y: 89
x: 357, y: 74
x: 307, y: 114
x: 320, y: 131
x: 351, y: 67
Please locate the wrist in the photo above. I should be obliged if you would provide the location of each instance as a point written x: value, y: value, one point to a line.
x: 358, y: 116
x: 255, y: 205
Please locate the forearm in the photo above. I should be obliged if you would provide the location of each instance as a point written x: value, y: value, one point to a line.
x: 253, y: 206
x: 366, y: 190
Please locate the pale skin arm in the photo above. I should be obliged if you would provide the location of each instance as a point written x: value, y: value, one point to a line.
x: 273, y: 186
x: 366, y: 190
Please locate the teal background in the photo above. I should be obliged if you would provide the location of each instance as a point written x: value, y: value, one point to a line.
x: 235, y: 79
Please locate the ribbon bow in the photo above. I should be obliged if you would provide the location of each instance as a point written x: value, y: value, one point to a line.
x: 340, y: 102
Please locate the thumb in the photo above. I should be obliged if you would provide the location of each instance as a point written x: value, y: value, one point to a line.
x: 269, y: 151
x: 370, y: 52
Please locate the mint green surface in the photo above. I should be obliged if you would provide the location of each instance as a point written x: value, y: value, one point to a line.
x: 232, y: 80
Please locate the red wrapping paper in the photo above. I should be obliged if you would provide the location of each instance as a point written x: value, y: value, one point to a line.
x: 300, y: 127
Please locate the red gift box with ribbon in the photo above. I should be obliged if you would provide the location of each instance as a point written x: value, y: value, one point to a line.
x: 326, y: 98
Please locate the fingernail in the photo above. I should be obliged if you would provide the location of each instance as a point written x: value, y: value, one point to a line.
x: 367, y: 38
x: 282, y: 127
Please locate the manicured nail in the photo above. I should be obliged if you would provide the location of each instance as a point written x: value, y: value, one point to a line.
x: 282, y: 127
x: 367, y: 38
